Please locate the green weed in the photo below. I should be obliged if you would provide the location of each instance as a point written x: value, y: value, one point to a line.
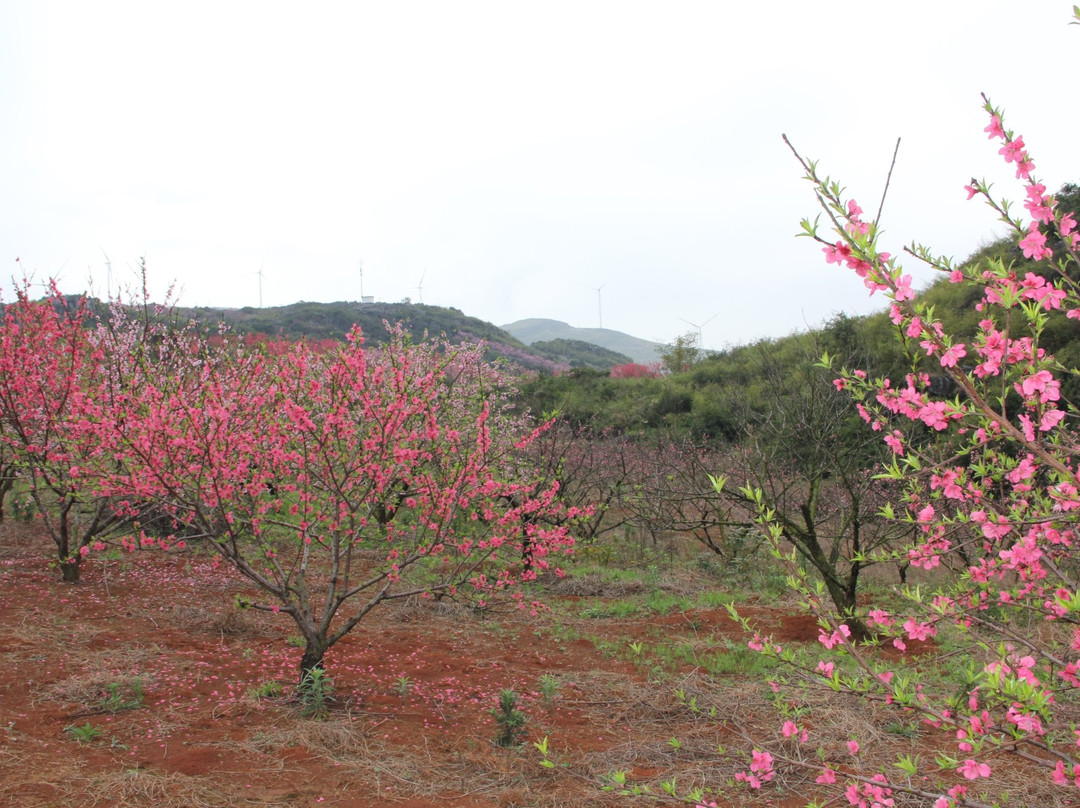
x: 549, y: 689
x: 87, y: 733
x: 903, y: 729
x: 403, y: 685
x: 509, y: 719
x: 617, y: 610
x: 665, y: 603
x: 545, y: 752
x: 712, y: 599
x: 267, y: 690
x: 315, y: 693
x: 120, y: 696
x: 737, y: 658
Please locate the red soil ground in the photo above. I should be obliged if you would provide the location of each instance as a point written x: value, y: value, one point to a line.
x: 200, y: 737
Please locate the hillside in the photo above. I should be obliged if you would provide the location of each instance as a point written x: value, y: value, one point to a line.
x: 334, y: 320
x: 577, y: 354
x: 721, y: 392
x: 543, y: 330
x: 320, y: 321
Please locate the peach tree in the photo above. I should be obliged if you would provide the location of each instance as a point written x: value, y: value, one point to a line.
x: 990, y: 491
x: 336, y: 480
x: 52, y: 390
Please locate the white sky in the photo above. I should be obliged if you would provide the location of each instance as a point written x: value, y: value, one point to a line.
x: 515, y: 156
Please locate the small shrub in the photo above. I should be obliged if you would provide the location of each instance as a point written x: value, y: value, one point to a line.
x: 403, y: 685
x: 618, y: 610
x: 23, y: 508
x: 315, y: 693
x: 510, y: 720
x: 549, y: 689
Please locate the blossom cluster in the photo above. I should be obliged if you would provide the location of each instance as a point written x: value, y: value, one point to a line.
x: 990, y: 492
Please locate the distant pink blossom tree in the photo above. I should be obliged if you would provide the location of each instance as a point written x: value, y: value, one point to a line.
x: 635, y: 370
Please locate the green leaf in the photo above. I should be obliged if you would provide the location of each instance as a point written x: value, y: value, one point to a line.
x: 908, y: 764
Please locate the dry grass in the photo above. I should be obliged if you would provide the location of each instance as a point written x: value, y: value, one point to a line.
x: 25, y: 784
x: 20, y: 538
x: 136, y: 788
x: 47, y: 630
x: 360, y: 756
x: 338, y: 738
x: 592, y: 585
x: 226, y: 623
x: 416, y: 771
x: 468, y: 767
x: 67, y: 782
x: 416, y: 609
x: 433, y: 768
x: 103, y: 676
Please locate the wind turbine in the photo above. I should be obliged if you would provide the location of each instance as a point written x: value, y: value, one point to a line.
x: 260, y: 274
x: 700, y: 337
x: 108, y: 274
x: 420, y: 288
x: 599, y: 306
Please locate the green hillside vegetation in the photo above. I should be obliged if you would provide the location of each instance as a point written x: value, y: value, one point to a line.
x: 712, y: 401
x: 725, y: 391
x: 321, y: 321
x: 538, y: 329
x: 576, y: 354
x: 335, y: 320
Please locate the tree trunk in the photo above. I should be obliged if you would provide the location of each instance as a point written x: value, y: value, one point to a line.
x: 842, y: 592
x: 312, y: 659
x: 6, y: 484
x: 70, y: 570
x: 69, y: 561
x: 845, y: 603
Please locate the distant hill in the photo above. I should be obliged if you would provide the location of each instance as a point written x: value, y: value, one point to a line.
x: 542, y: 330
x: 318, y: 321
x: 576, y: 354
x: 334, y: 320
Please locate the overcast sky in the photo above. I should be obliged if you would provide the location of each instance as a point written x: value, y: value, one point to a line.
x: 510, y: 158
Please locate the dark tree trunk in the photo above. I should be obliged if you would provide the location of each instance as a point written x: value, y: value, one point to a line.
x: 845, y: 603
x: 842, y: 590
x: 6, y: 484
x: 526, y: 555
x: 69, y: 561
x: 70, y: 570
x: 313, y: 657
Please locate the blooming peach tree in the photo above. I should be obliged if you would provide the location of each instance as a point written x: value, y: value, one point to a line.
x: 52, y: 388
x: 338, y: 480
x: 990, y: 490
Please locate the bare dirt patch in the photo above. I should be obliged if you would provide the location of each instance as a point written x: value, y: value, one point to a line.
x: 139, y: 686
x: 146, y: 685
